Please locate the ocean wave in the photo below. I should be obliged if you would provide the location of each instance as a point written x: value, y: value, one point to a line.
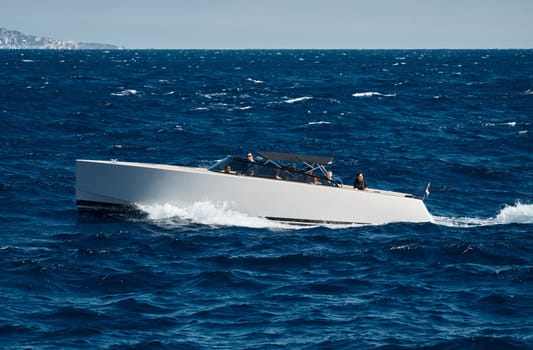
x: 206, y: 275
x: 510, y: 214
x: 255, y: 81
x: 516, y: 214
x: 214, y: 94
x: 371, y: 94
x: 298, y: 99
x: 125, y: 92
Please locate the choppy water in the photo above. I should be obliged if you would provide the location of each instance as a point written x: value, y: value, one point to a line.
x: 205, y: 277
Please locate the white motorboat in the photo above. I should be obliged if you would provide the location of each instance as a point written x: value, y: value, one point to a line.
x: 267, y: 187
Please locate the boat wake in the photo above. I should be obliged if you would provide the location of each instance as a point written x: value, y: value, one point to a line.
x: 220, y: 214
x: 208, y: 213
x: 510, y: 214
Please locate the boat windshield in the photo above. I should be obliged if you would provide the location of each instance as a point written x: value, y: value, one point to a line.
x: 267, y: 169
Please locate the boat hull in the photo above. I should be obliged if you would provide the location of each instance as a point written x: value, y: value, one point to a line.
x: 125, y: 184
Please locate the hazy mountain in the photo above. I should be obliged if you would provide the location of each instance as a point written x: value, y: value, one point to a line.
x: 12, y: 39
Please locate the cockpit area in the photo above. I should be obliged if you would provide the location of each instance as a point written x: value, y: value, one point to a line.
x: 280, y: 166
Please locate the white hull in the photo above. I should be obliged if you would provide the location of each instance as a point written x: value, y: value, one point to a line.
x: 124, y: 183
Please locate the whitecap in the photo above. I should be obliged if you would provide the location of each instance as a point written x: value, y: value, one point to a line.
x: 255, y: 81
x: 371, y: 93
x: 319, y: 123
x: 214, y: 94
x: 125, y: 92
x: 512, y: 124
x: 298, y: 99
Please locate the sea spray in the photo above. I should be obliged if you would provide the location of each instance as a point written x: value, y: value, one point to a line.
x: 510, y: 214
x: 208, y: 213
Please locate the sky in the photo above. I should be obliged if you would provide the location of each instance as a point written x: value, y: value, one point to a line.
x: 278, y: 24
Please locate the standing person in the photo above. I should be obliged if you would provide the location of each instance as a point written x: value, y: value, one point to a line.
x: 360, y: 183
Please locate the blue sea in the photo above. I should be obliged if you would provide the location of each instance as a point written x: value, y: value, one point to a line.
x: 208, y: 277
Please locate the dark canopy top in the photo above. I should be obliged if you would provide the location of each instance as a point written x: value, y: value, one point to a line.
x: 296, y: 157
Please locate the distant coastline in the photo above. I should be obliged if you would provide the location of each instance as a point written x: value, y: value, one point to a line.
x: 12, y: 39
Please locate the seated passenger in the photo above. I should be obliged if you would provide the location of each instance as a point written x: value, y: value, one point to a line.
x: 311, y: 178
x: 291, y: 174
x: 330, y: 180
x: 250, y: 168
x: 360, y: 183
x: 250, y: 157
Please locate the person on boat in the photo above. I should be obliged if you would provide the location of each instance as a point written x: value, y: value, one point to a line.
x: 227, y: 169
x: 360, y: 183
x: 330, y: 181
x: 310, y: 177
x: 250, y: 168
x: 290, y: 173
x: 250, y: 157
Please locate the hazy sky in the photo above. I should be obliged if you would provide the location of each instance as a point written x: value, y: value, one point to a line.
x: 357, y: 24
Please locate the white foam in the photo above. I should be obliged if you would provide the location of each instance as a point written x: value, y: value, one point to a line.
x: 510, y: 214
x: 298, y: 99
x: 214, y: 94
x: 207, y: 213
x: 221, y: 214
x: 319, y: 123
x: 255, y: 81
x: 371, y: 94
x: 516, y: 214
x: 125, y: 92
